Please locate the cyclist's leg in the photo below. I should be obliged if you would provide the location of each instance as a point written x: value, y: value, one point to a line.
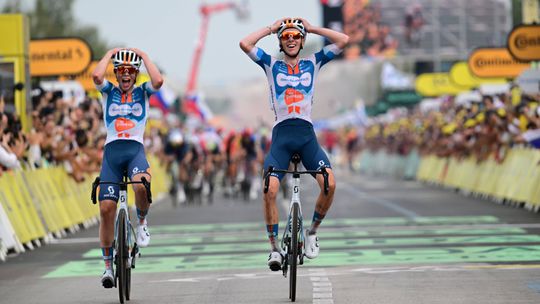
x: 271, y: 217
x: 138, y: 168
x: 314, y: 158
x: 108, y: 197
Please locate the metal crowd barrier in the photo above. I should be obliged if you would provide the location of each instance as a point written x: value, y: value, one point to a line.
x: 38, y: 205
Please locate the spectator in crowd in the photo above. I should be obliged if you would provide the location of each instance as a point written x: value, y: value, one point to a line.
x: 483, y: 130
x: 414, y: 21
x: 368, y: 35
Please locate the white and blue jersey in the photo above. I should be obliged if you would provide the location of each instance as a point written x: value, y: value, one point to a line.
x: 125, y: 114
x: 291, y: 88
x: 125, y: 117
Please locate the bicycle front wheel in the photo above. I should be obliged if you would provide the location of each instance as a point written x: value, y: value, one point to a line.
x: 293, y: 252
x: 122, y: 257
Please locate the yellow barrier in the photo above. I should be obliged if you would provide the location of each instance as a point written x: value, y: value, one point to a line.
x: 516, y: 179
x: 43, y: 201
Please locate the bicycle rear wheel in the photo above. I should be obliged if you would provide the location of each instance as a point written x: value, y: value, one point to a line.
x: 293, y: 253
x: 122, y: 256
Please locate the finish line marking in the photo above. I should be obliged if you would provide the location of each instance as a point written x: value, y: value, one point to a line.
x: 322, y: 287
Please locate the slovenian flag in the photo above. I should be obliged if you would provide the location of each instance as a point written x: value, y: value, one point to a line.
x: 163, y: 99
x: 194, y: 105
x: 532, y: 137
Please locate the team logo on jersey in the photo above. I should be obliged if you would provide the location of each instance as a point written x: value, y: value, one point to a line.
x: 125, y: 109
x: 293, y: 96
x: 283, y: 80
x: 122, y: 124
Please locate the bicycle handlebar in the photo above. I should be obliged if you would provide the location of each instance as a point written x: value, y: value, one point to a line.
x: 272, y: 170
x: 143, y: 181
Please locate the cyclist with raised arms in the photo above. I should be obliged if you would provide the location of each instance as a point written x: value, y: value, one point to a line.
x: 125, y: 110
x: 291, y: 83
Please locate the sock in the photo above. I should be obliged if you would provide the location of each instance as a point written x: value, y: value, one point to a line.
x: 141, y: 214
x: 272, y: 231
x: 107, y: 253
x: 317, y: 219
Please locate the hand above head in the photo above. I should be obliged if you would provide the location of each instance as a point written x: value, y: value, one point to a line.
x: 306, y: 24
x: 275, y: 26
x: 113, y: 51
x: 137, y: 51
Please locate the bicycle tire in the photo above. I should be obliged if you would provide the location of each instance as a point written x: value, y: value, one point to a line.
x: 121, y: 255
x: 293, y: 260
x: 128, y: 282
x: 128, y: 264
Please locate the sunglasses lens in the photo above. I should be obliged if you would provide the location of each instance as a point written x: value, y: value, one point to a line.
x: 129, y: 69
x: 295, y: 36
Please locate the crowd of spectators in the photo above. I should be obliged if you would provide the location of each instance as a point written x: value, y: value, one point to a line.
x: 369, y: 36
x: 62, y: 133
x: 481, y: 129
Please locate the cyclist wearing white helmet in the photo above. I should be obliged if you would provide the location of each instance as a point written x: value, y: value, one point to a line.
x: 125, y: 109
x: 291, y: 82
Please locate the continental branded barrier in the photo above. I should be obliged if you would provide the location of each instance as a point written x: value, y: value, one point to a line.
x: 36, y: 205
x: 516, y: 179
x: 495, y: 62
x: 524, y: 42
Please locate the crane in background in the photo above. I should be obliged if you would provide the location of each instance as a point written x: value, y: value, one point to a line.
x: 191, y: 105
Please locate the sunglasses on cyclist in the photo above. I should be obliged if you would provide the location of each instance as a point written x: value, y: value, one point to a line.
x: 122, y: 69
x: 296, y: 36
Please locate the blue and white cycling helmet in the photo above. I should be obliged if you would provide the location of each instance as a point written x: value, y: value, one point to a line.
x: 126, y: 57
x: 291, y: 23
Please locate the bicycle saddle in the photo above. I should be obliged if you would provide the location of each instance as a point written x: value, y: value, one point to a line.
x: 295, y: 158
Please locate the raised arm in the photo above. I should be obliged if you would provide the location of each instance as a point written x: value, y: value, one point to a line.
x: 339, y: 39
x: 249, y: 42
x: 151, y: 68
x: 99, y: 72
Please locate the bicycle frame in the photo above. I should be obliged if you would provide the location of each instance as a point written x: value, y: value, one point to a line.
x: 132, y: 245
x: 285, y: 239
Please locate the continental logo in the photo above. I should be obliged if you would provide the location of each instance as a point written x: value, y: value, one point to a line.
x: 61, y: 56
x: 524, y: 42
x: 495, y: 62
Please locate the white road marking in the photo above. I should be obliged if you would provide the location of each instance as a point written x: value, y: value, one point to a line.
x: 322, y: 287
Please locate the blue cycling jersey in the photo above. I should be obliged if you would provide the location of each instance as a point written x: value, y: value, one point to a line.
x: 125, y: 114
x: 291, y: 88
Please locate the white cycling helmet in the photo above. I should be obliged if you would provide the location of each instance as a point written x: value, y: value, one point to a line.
x: 126, y: 57
x: 176, y: 138
x: 292, y: 23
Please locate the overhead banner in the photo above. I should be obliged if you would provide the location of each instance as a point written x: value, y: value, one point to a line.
x: 461, y: 76
x: 437, y: 84
x: 524, y: 42
x: 60, y: 56
x: 495, y: 62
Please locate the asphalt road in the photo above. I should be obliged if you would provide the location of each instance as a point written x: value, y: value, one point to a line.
x: 384, y: 241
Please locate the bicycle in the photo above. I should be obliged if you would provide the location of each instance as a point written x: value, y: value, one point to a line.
x: 292, y: 241
x: 124, y: 245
